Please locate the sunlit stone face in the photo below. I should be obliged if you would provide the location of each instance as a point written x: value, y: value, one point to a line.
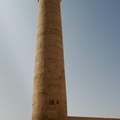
x: 49, y: 98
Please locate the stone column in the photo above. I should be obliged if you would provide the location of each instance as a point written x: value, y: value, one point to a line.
x: 49, y: 97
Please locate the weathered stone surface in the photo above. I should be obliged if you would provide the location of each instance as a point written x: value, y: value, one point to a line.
x: 49, y: 97
x: 90, y: 118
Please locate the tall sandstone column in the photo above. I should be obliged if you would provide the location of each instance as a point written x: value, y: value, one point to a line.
x: 49, y: 97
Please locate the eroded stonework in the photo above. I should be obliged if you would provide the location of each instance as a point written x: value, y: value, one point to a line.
x: 49, y: 98
x: 90, y: 118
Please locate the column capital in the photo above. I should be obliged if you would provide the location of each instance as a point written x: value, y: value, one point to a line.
x: 50, y: 0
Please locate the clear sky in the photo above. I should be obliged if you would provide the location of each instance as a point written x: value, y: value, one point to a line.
x: 91, y: 33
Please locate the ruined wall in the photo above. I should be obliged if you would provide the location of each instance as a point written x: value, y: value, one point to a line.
x: 90, y: 118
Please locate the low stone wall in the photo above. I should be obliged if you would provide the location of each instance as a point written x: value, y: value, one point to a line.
x: 90, y: 118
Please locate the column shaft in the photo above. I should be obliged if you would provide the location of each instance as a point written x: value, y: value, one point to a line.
x: 49, y: 98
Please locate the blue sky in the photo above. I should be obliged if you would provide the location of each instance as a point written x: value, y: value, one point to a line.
x: 91, y: 33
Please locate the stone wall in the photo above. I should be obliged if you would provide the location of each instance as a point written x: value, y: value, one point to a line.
x: 91, y: 118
